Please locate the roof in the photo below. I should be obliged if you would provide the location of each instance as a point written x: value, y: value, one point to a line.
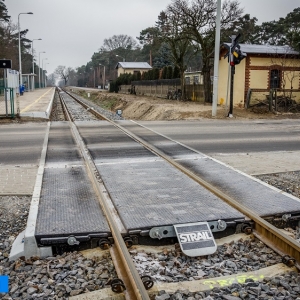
x: 133, y: 65
x: 266, y: 49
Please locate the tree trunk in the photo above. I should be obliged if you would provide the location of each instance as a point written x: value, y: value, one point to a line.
x: 207, y: 83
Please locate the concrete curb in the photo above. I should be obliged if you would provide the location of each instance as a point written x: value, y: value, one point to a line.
x: 25, y: 244
x: 49, y: 108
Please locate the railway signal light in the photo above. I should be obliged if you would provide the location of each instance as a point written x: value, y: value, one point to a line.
x: 238, y: 56
x: 235, y: 56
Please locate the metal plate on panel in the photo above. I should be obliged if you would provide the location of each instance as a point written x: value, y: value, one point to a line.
x: 169, y: 231
x: 195, y: 239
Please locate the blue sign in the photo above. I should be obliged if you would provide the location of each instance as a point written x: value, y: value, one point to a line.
x: 4, y: 284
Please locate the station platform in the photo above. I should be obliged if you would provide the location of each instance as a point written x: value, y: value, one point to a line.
x: 37, y: 103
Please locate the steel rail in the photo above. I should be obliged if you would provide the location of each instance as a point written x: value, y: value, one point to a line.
x: 135, y: 288
x: 280, y: 242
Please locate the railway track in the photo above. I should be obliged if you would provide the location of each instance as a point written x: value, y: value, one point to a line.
x: 285, y: 246
x: 243, y: 266
x: 131, y: 283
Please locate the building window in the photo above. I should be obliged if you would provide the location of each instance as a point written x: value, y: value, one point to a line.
x: 187, y: 80
x: 196, y: 79
x: 275, y: 79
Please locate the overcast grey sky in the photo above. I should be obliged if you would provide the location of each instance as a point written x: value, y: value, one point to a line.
x: 72, y: 30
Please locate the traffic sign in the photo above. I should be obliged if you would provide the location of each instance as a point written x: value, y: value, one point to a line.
x: 5, y: 64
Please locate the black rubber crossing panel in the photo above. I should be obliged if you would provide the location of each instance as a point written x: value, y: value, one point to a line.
x: 68, y: 204
x: 259, y: 197
x: 147, y: 191
x: 61, y: 145
x: 109, y: 143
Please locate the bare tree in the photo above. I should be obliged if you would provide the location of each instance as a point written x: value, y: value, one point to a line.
x: 121, y: 44
x: 63, y: 73
x: 172, y: 32
x: 197, y: 18
x: 51, y: 79
x: 119, y: 41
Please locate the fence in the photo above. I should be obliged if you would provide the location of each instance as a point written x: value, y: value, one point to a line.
x: 162, y: 88
x: 9, y: 90
x: 7, y: 102
x: 273, y: 100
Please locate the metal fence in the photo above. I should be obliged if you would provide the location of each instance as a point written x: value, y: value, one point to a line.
x: 162, y: 88
x: 7, y: 102
x: 170, y: 82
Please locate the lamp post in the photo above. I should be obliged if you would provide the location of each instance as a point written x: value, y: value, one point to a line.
x: 103, y: 75
x: 20, y: 61
x: 33, y: 61
x: 43, y: 76
x: 121, y: 57
x: 40, y: 68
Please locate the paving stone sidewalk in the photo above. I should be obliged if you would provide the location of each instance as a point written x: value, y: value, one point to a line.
x: 17, y: 180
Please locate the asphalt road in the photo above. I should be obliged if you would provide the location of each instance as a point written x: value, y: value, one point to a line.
x: 254, y: 146
x: 215, y: 136
x: 21, y: 143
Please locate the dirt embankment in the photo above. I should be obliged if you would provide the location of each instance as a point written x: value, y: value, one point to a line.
x: 148, y: 108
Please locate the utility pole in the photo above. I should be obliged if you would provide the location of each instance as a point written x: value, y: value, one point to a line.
x: 94, y: 78
x: 216, y: 62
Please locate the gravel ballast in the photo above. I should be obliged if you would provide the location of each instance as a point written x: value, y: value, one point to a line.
x: 70, y: 274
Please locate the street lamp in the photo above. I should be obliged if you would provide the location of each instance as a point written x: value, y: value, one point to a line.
x: 121, y: 57
x: 33, y: 61
x: 103, y: 75
x: 40, y: 68
x: 20, y: 61
x: 43, y: 76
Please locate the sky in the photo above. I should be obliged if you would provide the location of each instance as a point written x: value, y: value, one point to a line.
x: 72, y: 30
